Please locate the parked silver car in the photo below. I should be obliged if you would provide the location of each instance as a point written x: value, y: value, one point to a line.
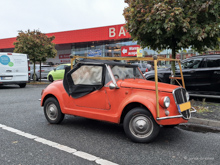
x: 45, y: 69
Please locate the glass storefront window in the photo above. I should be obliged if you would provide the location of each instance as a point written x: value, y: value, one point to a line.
x: 109, y: 49
x: 103, y: 49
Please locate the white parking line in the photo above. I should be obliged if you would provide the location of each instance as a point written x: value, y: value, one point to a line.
x: 73, y: 151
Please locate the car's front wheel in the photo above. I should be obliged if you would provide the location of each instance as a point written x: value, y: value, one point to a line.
x: 52, y: 111
x: 140, y: 126
x: 50, y: 78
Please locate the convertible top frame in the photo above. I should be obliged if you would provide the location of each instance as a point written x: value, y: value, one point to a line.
x: 154, y: 58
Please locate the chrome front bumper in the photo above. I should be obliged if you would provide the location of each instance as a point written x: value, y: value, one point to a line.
x: 177, y: 116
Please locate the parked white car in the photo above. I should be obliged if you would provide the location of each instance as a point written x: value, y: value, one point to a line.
x: 13, y: 69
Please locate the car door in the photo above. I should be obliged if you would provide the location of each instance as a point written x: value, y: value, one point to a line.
x: 211, y: 75
x: 59, y: 72
x: 191, y: 69
x: 45, y: 70
x: 85, y: 85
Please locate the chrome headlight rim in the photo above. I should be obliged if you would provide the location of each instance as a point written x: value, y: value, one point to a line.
x: 166, y: 101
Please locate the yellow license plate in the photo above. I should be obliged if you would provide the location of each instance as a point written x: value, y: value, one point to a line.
x: 184, y: 106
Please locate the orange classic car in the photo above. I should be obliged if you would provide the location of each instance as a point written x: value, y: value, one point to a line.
x: 118, y: 93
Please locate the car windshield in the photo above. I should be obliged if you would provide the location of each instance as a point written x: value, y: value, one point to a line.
x: 126, y: 72
x: 188, y: 64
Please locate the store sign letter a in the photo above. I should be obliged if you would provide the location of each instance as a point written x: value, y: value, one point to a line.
x: 113, y: 33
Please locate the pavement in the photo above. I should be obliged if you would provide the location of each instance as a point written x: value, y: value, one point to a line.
x: 207, y: 117
x: 201, y: 125
x: 206, y: 122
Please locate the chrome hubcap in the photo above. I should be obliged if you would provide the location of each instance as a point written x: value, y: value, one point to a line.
x: 52, y: 111
x: 141, y: 126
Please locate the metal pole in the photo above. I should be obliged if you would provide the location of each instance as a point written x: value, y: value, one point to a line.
x: 72, y: 57
x: 181, y: 73
x: 156, y: 86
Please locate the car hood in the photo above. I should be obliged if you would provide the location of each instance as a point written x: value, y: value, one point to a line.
x: 146, y: 84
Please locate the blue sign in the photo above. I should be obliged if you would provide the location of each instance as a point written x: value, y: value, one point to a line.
x: 4, y: 60
x: 94, y: 53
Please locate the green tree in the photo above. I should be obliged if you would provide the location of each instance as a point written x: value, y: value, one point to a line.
x: 174, y: 24
x: 37, y: 45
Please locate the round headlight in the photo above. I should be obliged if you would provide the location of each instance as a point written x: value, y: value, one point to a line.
x: 166, y: 102
x: 187, y: 96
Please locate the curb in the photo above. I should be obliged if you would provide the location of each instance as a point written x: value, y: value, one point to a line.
x: 201, y: 125
x: 38, y: 83
x: 205, y: 122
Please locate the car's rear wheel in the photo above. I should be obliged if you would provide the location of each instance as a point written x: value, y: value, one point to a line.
x: 50, y: 78
x: 52, y: 111
x: 35, y: 78
x: 140, y: 126
x: 23, y: 85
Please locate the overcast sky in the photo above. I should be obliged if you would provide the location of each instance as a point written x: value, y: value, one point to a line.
x: 58, y: 15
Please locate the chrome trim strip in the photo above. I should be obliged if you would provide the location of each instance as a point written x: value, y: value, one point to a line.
x: 177, y: 116
x: 174, y: 95
x: 188, y: 115
x: 169, y: 117
x: 194, y: 110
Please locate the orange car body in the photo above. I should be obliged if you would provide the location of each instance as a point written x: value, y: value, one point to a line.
x: 109, y: 104
x: 117, y: 93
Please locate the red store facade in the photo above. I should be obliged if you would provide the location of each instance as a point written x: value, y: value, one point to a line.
x: 107, y: 41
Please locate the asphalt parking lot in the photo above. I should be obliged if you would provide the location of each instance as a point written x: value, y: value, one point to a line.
x: 97, y: 141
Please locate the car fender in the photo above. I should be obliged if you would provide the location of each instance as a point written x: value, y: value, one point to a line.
x: 147, y: 75
x: 55, y: 92
x: 160, y: 77
x: 142, y: 98
x: 51, y: 73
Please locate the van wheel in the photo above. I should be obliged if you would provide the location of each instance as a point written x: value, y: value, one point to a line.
x: 52, y: 111
x: 50, y: 78
x: 140, y: 126
x: 22, y: 85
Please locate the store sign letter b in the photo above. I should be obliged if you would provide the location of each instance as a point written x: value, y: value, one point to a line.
x: 112, y: 32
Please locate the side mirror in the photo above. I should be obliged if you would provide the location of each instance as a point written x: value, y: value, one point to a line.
x: 54, y: 69
x: 112, y: 86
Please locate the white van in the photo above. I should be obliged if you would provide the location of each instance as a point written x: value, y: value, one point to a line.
x: 13, y: 69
